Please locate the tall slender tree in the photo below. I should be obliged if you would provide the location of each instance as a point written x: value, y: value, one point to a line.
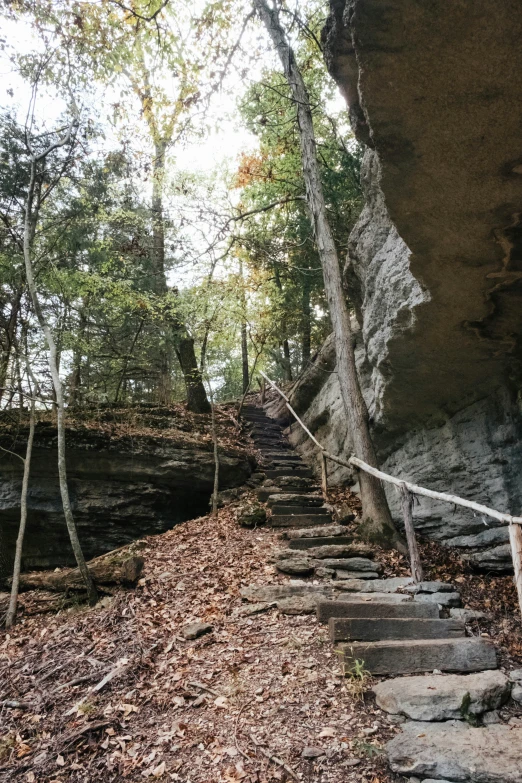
x: 377, y: 524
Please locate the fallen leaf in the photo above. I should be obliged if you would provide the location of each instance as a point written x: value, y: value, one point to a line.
x: 221, y: 702
x: 159, y: 770
x: 60, y: 761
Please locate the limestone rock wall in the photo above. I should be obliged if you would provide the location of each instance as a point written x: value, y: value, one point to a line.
x: 121, y: 489
x: 434, y: 264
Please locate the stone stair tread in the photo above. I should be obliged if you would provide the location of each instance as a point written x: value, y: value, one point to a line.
x: 298, y: 520
x: 350, y: 549
x: 341, y: 574
x: 289, y: 498
x: 421, y: 655
x: 454, y: 750
x: 278, y: 509
x: 443, y: 696
x: 276, y: 472
x: 300, y: 544
x: 372, y: 629
x: 374, y: 608
x: 318, y: 532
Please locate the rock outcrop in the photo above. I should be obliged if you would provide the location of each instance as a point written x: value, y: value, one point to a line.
x: 122, y: 486
x: 434, y: 264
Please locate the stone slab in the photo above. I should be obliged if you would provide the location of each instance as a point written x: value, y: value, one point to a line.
x: 351, y: 563
x: 372, y: 629
x: 332, y: 530
x: 355, y: 552
x: 442, y: 599
x: 443, y: 697
x: 289, y: 499
x: 273, y: 593
x: 422, y: 655
x: 341, y: 574
x: 379, y: 586
x: 281, y: 510
x: 431, y: 587
x: 354, y: 608
x: 457, y: 751
x: 276, y: 472
x: 297, y: 520
x: 313, y: 543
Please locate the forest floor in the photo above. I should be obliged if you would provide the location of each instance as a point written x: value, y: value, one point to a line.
x: 115, y: 692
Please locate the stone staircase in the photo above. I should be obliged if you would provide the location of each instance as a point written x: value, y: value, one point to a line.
x: 390, y: 627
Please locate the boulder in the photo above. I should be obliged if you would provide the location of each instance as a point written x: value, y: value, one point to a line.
x: 457, y: 751
x: 250, y: 515
x: 295, y: 565
x: 497, y: 559
x: 516, y: 693
x: 443, y: 697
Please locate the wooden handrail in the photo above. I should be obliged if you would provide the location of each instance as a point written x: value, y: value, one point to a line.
x: 515, y: 531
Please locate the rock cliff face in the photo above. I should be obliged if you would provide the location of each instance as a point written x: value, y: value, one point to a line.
x: 435, y: 261
x: 122, y: 487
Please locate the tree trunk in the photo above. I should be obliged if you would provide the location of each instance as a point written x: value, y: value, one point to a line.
x: 377, y: 525
x: 13, y: 600
x: 29, y: 232
x: 120, y: 569
x: 197, y: 400
x: 306, y: 323
x: 287, y: 361
x: 244, y: 336
x: 9, y: 339
x: 196, y: 395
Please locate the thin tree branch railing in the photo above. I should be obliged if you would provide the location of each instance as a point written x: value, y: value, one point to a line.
x: 415, y: 489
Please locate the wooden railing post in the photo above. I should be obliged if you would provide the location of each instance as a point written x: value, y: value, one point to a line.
x: 324, y: 476
x: 515, y: 538
x: 407, y: 508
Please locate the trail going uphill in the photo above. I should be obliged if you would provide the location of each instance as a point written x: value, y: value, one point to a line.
x: 388, y: 627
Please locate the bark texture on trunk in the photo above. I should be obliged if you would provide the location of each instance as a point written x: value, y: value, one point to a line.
x: 120, y: 569
x: 13, y: 600
x: 377, y: 525
x: 197, y: 400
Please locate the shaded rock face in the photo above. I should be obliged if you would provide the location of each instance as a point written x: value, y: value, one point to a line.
x: 434, y: 263
x: 121, y: 489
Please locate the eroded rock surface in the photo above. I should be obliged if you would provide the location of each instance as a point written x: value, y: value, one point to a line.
x: 433, y: 265
x: 443, y: 697
x: 455, y: 751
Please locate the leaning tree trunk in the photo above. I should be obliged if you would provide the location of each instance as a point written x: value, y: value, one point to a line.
x: 306, y: 322
x: 13, y: 600
x: 29, y: 232
x: 377, y: 524
x: 244, y: 336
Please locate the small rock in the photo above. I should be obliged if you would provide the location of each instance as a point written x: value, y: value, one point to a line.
x: 195, y: 630
x: 468, y: 615
x: 295, y: 565
x: 489, y: 718
x: 515, y: 675
x: 250, y: 515
x: 344, y: 514
x: 351, y: 763
x: 250, y: 609
x: 312, y: 753
x: 369, y: 732
x: 396, y: 719
x: 324, y: 573
x: 515, y: 721
x: 516, y: 694
x: 305, y: 604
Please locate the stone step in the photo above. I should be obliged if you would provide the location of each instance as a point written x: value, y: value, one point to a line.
x: 457, y: 751
x: 420, y: 655
x: 373, y: 629
x: 295, y: 499
x: 265, y: 492
x: 281, y: 455
x: 336, y: 549
x: 317, y: 532
x: 281, y: 445
x: 443, y: 696
x: 313, y: 543
x: 364, y: 609
x: 276, y: 472
x: 278, y: 509
x: 297, y: 520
